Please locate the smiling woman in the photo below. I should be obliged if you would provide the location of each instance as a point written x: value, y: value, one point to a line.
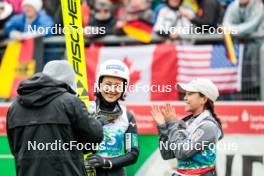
x: 120, y: 144
x: 195, y: 135
x: 112, y: 88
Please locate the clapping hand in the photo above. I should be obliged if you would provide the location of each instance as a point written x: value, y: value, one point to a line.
x: 169, y: 113
x: 157, y: 115
x: 163, y: 115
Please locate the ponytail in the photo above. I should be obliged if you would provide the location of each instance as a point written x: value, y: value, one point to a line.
x: 210, y: 107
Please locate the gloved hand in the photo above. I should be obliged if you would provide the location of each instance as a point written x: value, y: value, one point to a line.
x: 98, y: 162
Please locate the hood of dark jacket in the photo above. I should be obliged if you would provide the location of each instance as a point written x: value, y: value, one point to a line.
x: 40, y: 89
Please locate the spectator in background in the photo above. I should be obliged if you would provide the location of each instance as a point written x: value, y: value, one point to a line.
x: 225, y: 3
x: 32, y: 16
x: 6, y: 12
x: 136, y: 10
x: 244, y: 16
x: 16, y: 4
x: 102, y: 21
x: 53, y: 9
x: 170, y: 21
x: 247, y: 17
x: 120, y: 9
x: 155, y: 3
x: 209, y: 14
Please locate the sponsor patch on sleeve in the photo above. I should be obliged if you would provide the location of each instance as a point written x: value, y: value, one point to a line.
x: 197, y: 135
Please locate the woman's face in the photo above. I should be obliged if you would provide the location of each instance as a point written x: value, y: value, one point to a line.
x: 244, y: 2
x: 103, y: 14
x: 174, y: 3
x: 194, y: 102
x: 112, y: 88
x: 29, y: 11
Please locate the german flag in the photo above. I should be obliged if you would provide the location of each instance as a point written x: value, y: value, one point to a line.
x: 139, y: 30
x: 21, y: 60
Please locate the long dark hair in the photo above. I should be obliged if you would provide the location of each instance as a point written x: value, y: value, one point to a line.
x: 209, y: 105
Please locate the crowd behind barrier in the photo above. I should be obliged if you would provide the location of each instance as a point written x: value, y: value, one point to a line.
x: 141, y: 22
x: 54, y: 48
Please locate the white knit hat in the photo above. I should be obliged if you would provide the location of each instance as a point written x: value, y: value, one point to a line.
x: 8, y: 9
x: 61, y: 70
x: 36, y: 4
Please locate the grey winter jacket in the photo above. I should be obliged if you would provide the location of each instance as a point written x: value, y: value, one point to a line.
x: 196, y: 130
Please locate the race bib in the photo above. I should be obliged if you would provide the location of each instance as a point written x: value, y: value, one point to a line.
x: 113, y: 143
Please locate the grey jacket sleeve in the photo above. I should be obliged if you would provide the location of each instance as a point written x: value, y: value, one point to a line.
x: 163, y: 140
x: 185, y: 146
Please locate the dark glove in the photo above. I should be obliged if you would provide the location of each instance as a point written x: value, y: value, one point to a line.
x: 98, y: 162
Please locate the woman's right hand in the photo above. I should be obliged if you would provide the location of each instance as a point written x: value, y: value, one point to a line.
x: 168, y: 113
x: 157, y: 115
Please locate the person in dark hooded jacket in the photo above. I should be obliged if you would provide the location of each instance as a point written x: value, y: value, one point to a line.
x: 48, y: 125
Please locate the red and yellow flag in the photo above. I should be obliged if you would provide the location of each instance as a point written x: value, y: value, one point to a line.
x: 18, y: 64
x: 230, y: 48
x: 139, y: 30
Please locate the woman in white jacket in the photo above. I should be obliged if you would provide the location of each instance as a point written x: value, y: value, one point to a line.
x: 169, y: 20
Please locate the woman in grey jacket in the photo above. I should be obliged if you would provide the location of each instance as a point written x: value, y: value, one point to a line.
x: 194, y: 136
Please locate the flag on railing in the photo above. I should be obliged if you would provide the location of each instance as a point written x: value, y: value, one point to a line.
x: 212, y: 62
x: 152, y: 70
x: 155, y: 69
x: 21, y: 60
x: 139, y: 30
x: 230, y: 48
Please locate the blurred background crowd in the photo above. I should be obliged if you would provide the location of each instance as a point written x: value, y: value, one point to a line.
x: 153, y: 17
x: 245, y: 16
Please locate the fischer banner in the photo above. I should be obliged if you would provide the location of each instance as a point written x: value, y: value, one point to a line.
x: 72, y: 19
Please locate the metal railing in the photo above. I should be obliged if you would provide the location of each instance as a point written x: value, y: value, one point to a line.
x: 113, y: 39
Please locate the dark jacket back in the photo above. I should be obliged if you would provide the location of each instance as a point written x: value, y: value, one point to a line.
x: 43, y: 122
